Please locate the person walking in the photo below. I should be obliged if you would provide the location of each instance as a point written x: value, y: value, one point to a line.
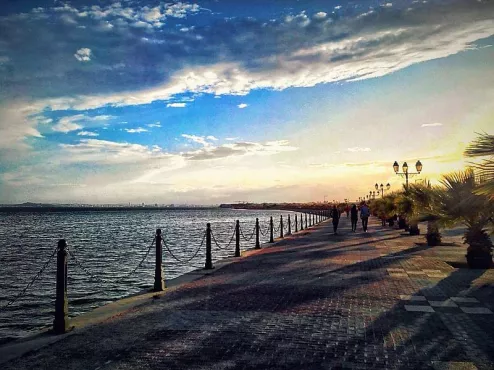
x: 354, y: 217
x: 364, y: 215
x: 335, y: 214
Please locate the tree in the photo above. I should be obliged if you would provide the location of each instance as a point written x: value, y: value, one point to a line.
x: 483, y: 146
x: 460, y: 201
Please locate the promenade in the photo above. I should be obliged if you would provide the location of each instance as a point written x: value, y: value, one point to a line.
x: 376, y: 300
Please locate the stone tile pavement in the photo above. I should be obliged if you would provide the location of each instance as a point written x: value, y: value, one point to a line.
x: 376, y: 300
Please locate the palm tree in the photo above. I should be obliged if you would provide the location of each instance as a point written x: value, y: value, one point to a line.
x: 483, y: 146
x: 424, y: 196
x: 459, y: 201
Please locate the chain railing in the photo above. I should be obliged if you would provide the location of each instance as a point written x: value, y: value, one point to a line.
x: 186, y: 261
x: 36, y: 277
x: 251, y: 235
x: 226, y: 246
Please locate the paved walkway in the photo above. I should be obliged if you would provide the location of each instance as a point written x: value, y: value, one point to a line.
x: 311, y: 301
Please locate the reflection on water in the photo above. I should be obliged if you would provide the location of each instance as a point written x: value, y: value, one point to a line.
x: 109, y: 245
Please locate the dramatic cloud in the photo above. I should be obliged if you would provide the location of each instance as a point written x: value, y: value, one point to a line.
x: 435, y: 124
x: 83, y: 55
x: 136, y: 130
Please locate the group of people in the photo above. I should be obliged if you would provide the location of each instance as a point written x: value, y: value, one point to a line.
x: 353, y: 212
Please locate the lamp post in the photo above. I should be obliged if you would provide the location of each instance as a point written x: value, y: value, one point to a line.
x: 396, y: 167
x: 380, y: 188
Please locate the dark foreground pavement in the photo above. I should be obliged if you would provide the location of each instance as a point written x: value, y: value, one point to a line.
x: 311, y: 301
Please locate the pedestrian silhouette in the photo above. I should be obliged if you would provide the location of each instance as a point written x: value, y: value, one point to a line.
x: 354, y: 217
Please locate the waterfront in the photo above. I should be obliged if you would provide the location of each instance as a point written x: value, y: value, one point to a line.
x: 109, y: 244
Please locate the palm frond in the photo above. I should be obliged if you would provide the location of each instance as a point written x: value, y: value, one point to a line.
x: 482, y: 146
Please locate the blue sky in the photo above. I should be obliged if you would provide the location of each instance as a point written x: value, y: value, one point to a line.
x: 216, y: 101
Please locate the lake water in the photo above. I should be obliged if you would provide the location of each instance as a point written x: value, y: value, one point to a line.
x: 109, y: 245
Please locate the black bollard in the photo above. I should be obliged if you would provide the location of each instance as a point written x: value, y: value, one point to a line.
x: 296, y: 223
x: 237, y: 239
x: 306, y: 221
x: 289, y: 225
x: 271, y: 239
x: 159, y: 284
x: 281, y: 226
x: 61, y: 321
x: 301, y: 221
x: 258, y: 245
x: 209, y: 261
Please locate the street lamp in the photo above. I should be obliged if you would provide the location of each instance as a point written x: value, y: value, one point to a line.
x: 381, y: 187
x: 396, y: 168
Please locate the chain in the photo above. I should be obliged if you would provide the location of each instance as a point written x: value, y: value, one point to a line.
x: 251, y: 235
x: 12, y: 301
x: 229, y: 243
x: 265, y: 233
x: 142, y: 261
x: 189, y: 259
x: 86, y: 271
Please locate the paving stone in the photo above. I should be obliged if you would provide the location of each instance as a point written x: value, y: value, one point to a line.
x: 465, y: 300
x: 477, y: 310
x: 446, y: 303
x: 415, y: 308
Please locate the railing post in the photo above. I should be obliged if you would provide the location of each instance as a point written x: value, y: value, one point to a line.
x: 281, y: 226
x: 296, y: 223
x: 159, y: 284
x: 209, y: 261
x: 306, y: 221
x: 301, y: 221
x: 271, y: 239
x: 61, y: 322
x: 258, y: 245
x: 237, y: 239
x: 289, y: 225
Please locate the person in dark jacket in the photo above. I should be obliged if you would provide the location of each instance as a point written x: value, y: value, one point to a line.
x: 354, y: 217
x: 335, y: 214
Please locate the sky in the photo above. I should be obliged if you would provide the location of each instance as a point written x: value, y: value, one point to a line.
x: 216, y: 101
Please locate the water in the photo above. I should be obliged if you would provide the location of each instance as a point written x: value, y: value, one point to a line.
x: 109, y: 244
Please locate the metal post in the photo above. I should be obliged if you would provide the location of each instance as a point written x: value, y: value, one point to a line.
x: 289, y: 225
x: 306, y: 220
x: 237, y: 239
x: 258, y: 245
x: 281, y: 226
x: 271, y: 239
x: 209, y: 261
x: 159, y: 284
x: 61, y: 322
x: 301, y: 221
x: 296, y: 223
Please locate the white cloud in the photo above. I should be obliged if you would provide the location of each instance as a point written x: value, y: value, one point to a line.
x: 83, y: 55
x: 242, y: 106
x: 197, y: 139
x: 210, y: 137
x: 87, y: 133
x: 176, y: 105
x: 337, y: 7
x: 320, y: 15
x: 435, y: 124
x: 156, y: 124
x: 67, y: 124
x: 15, y: 126
x: 388, y: 5
x: 136, y: 130
x: 231, y: 138
x: 358, y: 149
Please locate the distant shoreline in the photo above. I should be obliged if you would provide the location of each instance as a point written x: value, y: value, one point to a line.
x: 14, y: 209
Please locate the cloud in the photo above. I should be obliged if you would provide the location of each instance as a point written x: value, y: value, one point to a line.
x: 83, y: 55
x: 242, y: 106
x: 231, y: 138
x: 320, y: 15
x: 197, y: 139
x: 17, y: 124
x: 157, y: 124
x: 210, y: 137
x: 358, y: 149
x: 435, y: 124
x: 136, y: 130
x: 87, y: 133
x: 67, y: 124
x: 239, y: 149
x: 176, y: 105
